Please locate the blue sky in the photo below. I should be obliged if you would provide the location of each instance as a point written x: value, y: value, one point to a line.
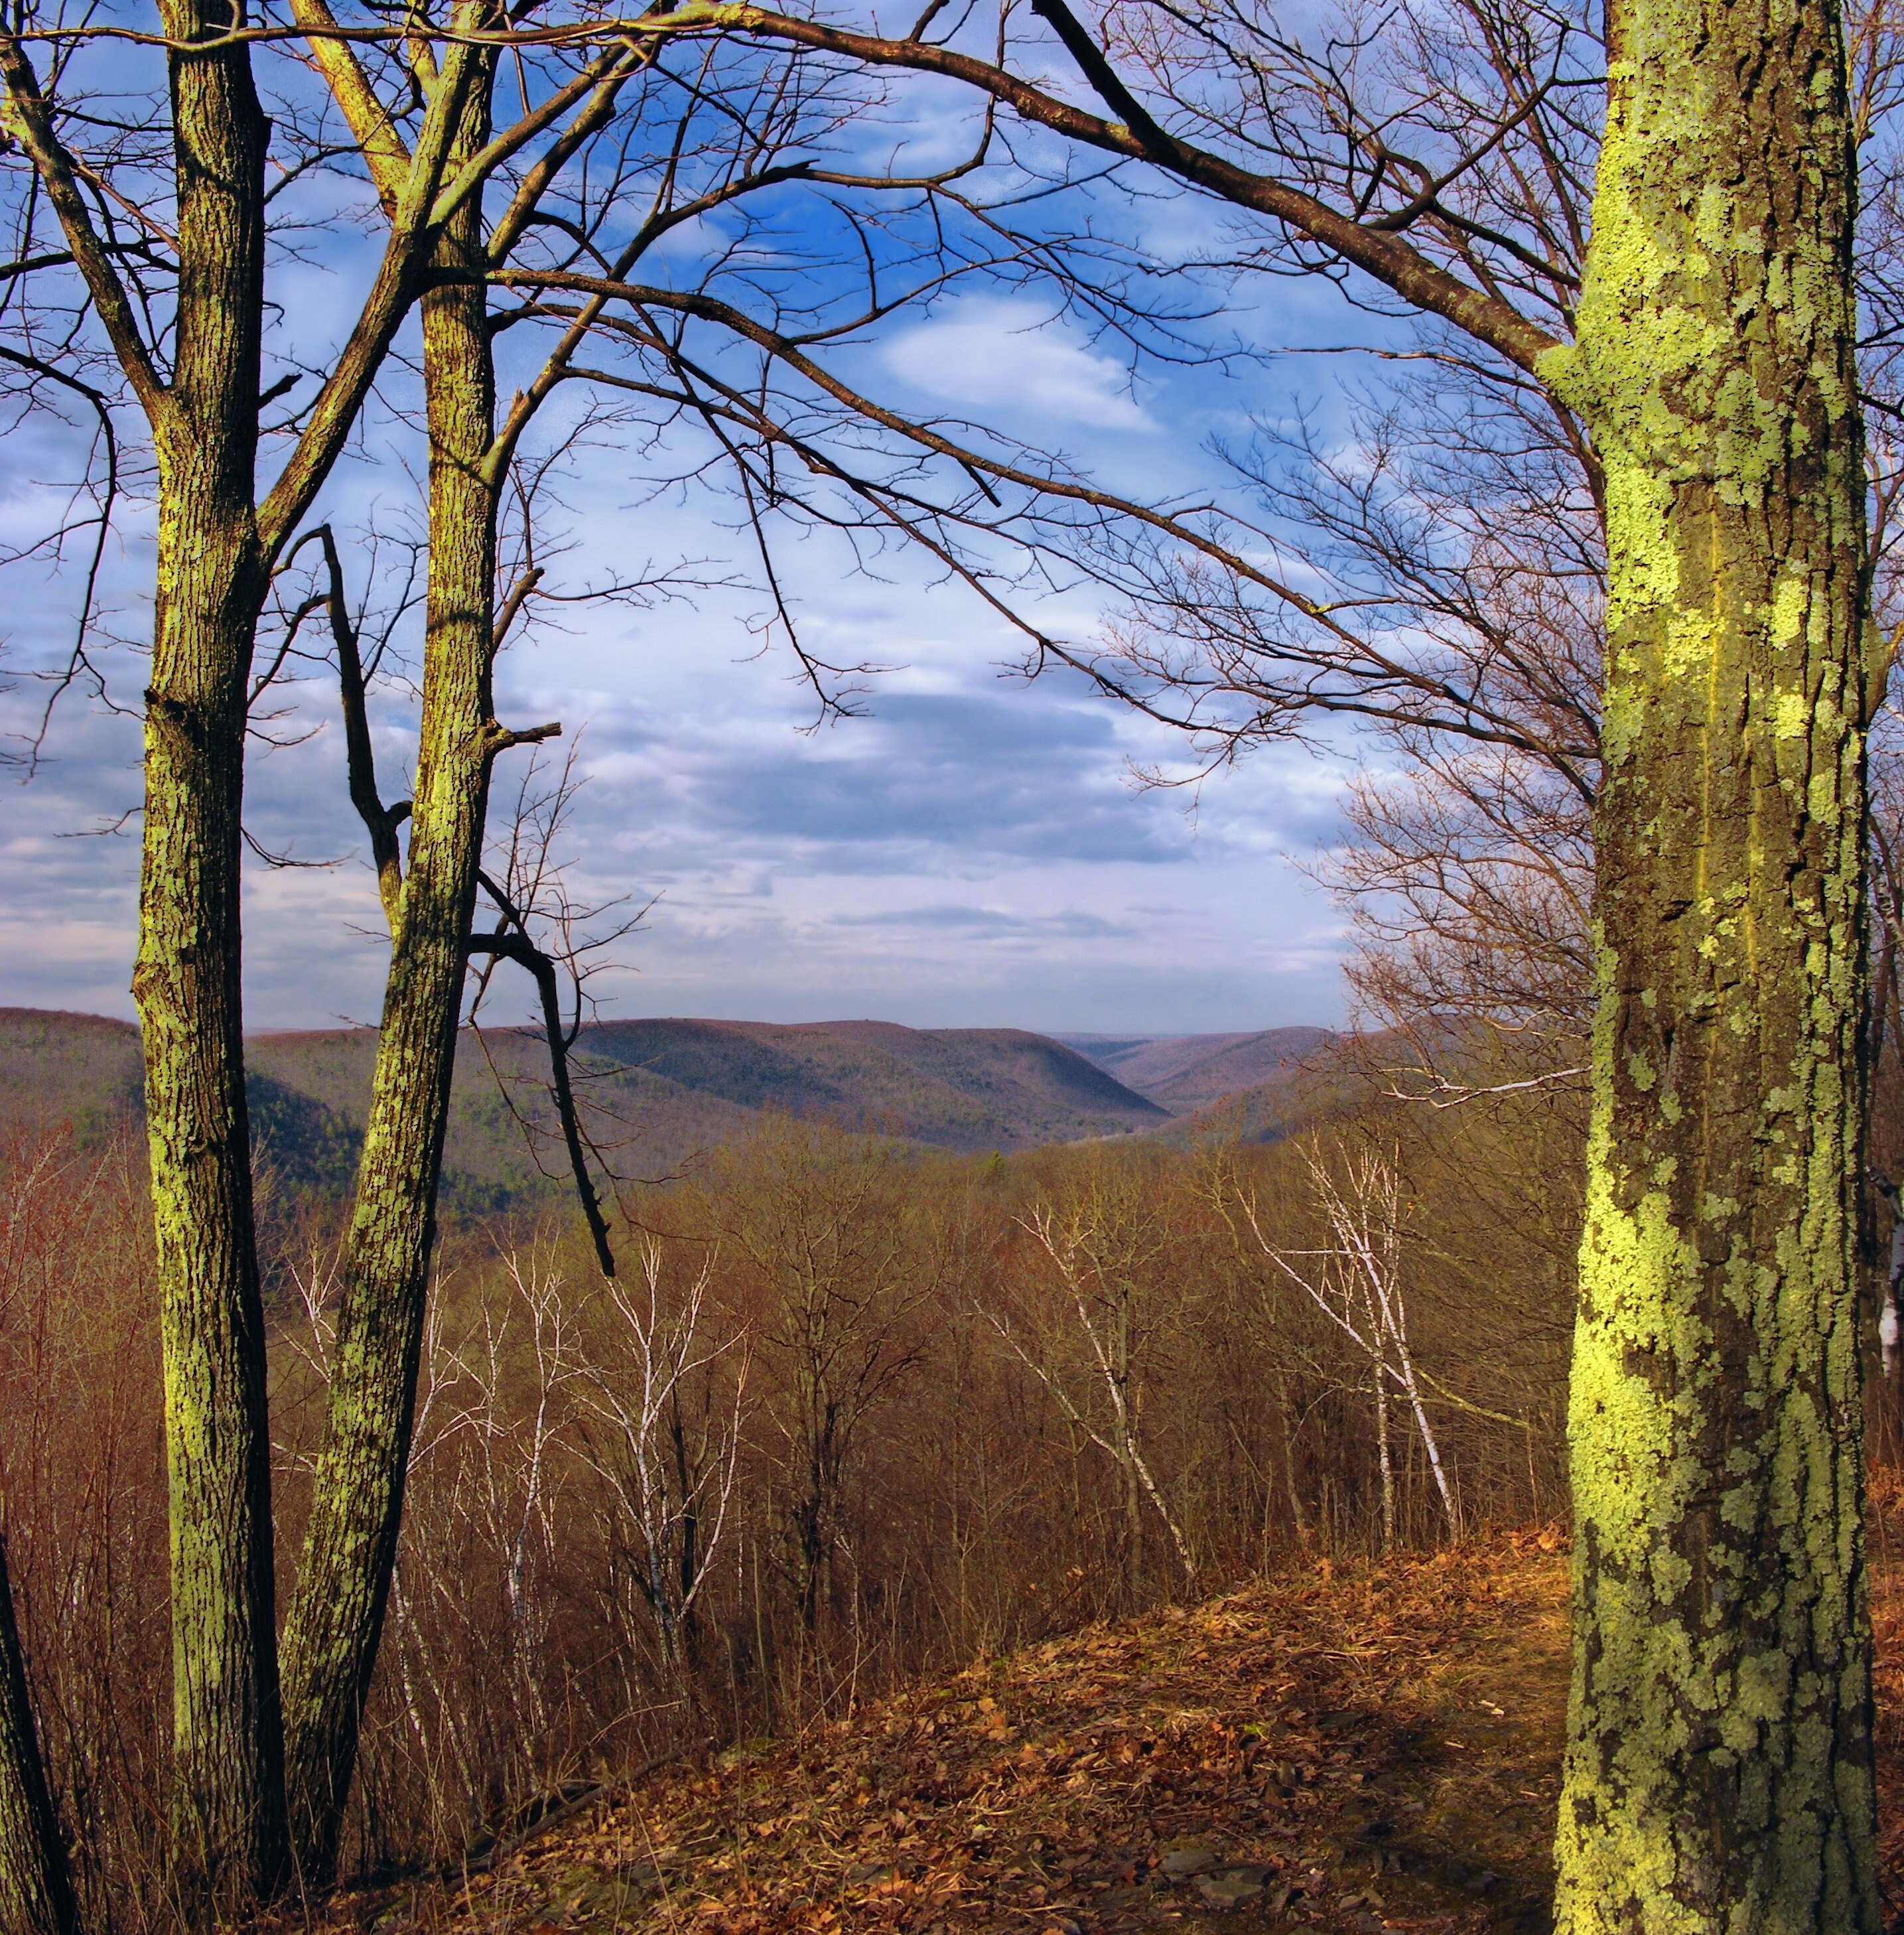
x: 971, y: 851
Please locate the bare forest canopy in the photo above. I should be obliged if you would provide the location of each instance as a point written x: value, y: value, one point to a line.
x: 856, y: 1409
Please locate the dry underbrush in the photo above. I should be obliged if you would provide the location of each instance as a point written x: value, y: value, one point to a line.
x: 1353, y: 1748
x: 1350, y: 1749
x: 853, y: 1417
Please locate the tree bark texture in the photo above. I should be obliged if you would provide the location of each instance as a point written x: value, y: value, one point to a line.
x: 226, y: 1802
x: 337, y: 1618
x: 1718, y: 1768
x: 36, y: 1891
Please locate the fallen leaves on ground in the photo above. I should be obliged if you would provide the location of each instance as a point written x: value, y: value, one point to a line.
x: 1347, y: 1748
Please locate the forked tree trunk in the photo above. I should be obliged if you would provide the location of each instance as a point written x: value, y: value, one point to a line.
x: 227, y: 1793
x: 36, y: 1891
x: 336, y: 1617
x: 1719, y: 1767
x: 215, y: 550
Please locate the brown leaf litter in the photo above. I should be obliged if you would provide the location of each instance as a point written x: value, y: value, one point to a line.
x: 1347, y: 1748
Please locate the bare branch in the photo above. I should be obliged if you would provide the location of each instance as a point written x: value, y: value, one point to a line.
x: 28, y: 121
x: 518, y: 947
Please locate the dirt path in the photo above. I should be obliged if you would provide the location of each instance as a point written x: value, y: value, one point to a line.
x: 1352, y: 1750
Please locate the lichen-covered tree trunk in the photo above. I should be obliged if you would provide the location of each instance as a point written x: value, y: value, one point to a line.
x: 214, y: 550
x: 228, y: 1796
x: 1718, y: 1767
x: 36, y: 1891
x: 336, y: 1617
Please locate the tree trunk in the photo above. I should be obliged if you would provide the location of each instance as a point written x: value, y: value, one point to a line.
x: 1718, y: 1768
x: 336, y: 1617
x: 1297, y: 1516
x: 1424, y: 1426
x: 36, y: 1891
x: 227, y: 1796
x: 1385, y: 1457
x: 215, y: 550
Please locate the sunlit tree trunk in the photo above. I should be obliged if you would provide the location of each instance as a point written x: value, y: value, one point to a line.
x: 36, y: 1891
x: 227, y: 1795
x: 1719, y: 1769
x: 337, y: 1618
x: 215, y: 547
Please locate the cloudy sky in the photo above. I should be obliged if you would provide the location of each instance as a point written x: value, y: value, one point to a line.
x: 972, y: 851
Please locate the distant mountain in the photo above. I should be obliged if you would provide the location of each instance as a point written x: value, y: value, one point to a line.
x: 964, y: 1088
x: 57, y: 1068
x: 657, y: 1092
x: 310, y: 1094
x: 1187, y: 1072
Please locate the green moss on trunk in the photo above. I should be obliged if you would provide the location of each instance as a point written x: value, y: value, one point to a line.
x: 228, y: 1802
x: 337, y: 1618
x: 1718, y: 1771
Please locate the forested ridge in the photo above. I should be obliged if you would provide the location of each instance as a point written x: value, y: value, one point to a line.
x: 654, y: 1093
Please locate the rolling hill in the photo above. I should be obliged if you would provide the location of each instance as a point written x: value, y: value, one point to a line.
x: 655, y: 1092
x: 1187, y: 1072
x: 56, y: 1067
x: 957, y: 1088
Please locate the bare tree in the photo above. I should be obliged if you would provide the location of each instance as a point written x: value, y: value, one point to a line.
x: 1108, y: 1245
x: 1411, y: 162
x: 670, y: 1470
x: 843, y: 1267
x: 1357, y: 1283
x: 180, y: 320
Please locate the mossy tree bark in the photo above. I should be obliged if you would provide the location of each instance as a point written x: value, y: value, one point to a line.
x: 336, y: 1624
x: 1719, y: 1770
x: 36, y: 1890
x: 227, y: 1794
x: 336, y: 1617
x: 216, y: 543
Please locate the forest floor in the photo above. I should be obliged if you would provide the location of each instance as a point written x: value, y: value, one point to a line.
x: 1347, y: 1748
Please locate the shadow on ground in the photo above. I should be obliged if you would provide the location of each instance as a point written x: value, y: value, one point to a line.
x: 1348, y: 1749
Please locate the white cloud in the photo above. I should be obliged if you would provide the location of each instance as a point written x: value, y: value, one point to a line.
x: 969, y: 854
x: 1015, y: 356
